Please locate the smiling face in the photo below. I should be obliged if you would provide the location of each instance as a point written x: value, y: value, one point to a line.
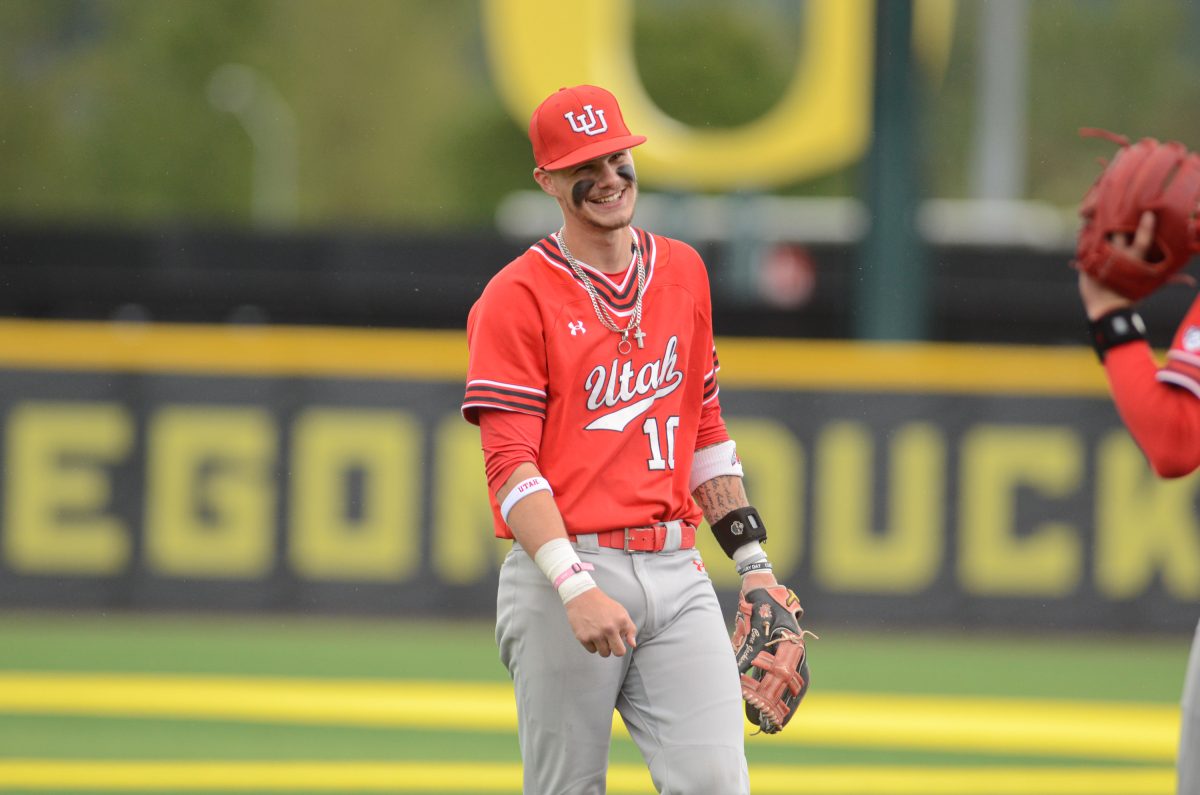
x: 599, y: 193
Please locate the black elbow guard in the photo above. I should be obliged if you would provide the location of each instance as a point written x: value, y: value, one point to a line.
x: 739, y: 527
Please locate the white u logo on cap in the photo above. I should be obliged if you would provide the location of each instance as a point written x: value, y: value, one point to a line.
x: 590, y: 122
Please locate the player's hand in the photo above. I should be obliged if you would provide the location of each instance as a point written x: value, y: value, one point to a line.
x: 1099, y: 300
x: 601, y: 624
x: 758, y: 579
x: 1138, y: 246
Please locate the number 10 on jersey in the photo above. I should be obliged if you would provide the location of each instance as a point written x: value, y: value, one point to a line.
x: 650, y: 428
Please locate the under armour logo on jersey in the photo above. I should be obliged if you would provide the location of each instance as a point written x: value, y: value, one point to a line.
x: 1191, y: 339
x: 577, y: 326
x: 590, y: 122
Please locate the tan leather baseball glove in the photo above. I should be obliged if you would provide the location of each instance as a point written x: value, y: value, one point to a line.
x: 769, y: 646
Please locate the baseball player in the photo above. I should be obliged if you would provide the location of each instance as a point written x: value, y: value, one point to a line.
x: 1161, y: 409
x: 593, y: 380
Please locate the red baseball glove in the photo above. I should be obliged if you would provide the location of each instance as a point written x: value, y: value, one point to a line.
x: 769, y: 646
x: 1160, y: 177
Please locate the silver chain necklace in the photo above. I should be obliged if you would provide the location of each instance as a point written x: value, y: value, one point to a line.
x: 635, y: 322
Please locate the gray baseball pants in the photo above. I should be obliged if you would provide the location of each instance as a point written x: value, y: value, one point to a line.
x: 677, y: 692
x: 1188, y: 765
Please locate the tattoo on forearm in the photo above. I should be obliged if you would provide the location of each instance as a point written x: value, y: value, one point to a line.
x: 719, y: 496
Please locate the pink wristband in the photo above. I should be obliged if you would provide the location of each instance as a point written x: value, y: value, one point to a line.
x: 576, y: 568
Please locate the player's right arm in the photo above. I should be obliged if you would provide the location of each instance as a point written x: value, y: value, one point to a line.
x: 599, y: 622
x: 510, y: 446
x: 507, y: 385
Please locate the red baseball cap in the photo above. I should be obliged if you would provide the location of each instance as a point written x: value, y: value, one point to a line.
x: 574, y: 125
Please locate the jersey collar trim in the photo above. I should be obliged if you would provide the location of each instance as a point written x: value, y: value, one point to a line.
x: 621, y: 298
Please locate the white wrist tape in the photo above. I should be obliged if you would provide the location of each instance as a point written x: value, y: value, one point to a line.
x: 710, y: 462
x: 748, y: 553
x: 521, y: 491
x: 576, y: 585
x: 559, y: 561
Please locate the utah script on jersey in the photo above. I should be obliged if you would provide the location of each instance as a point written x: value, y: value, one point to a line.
x: 619, y: 429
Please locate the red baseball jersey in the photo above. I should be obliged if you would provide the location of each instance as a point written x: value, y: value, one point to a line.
x: 1183, y: 360
x: 619, y: 430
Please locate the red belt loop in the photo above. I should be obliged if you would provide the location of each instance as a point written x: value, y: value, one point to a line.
x: 651, y: 538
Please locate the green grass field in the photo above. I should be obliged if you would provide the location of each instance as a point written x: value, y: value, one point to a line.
x: 105, y: 704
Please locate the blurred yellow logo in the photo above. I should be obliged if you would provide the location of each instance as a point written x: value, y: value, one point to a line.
x: 820, y: 124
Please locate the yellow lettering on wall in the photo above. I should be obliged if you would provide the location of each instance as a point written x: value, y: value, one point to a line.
x: 997, y: 558
x: 820, y: 124
x: 849, y: 554
x: 464, y: 549
x: 1144, y: 526
x: 340, y: 454
x: 210, y: 492
x: 774, y: 464
x: 57, y: 493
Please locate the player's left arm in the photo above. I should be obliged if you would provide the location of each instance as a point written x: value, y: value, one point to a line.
x: 768, y: 641
x: 724, y: 496
x: 716, y: 485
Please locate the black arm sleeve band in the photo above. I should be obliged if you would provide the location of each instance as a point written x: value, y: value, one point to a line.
x: 1116, y: 328
x: 739, y: 527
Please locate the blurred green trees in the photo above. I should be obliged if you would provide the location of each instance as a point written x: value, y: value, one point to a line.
x: 105, y: 110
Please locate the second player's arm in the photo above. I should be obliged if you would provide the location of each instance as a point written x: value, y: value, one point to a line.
x: 1163, y: 419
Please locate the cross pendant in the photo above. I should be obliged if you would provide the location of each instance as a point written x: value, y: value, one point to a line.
x: 638, y: 335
